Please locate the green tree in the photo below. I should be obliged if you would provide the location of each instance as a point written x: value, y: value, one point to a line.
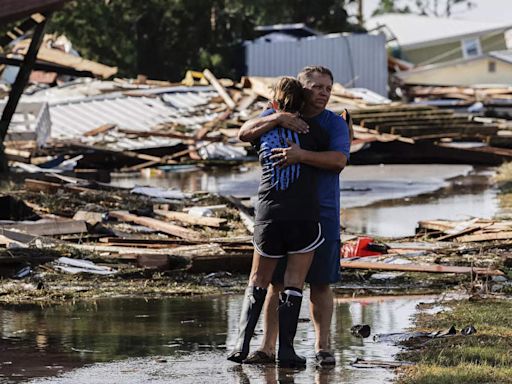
x: 164, y: 38
x: 436, y: 8
x: 390, y: 6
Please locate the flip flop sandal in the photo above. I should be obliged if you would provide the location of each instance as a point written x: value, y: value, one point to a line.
x: 260, y: 357
x: 325, y: 358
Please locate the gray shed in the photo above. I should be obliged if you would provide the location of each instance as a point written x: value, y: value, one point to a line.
x: 356, y: 60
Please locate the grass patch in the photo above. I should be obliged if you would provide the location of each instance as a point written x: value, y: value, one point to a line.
x: 460, y: 374
x: 485, y: 357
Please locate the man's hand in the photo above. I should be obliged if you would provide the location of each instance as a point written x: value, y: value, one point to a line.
x: 292, y: 122
x: 284, y: 157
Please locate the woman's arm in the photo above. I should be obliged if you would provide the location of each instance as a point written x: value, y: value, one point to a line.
x: 254, y: 128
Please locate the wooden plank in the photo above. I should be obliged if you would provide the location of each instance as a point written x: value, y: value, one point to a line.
x: 144, y: 242
x: 402, y: 114
x: 130, y: 154
x: 101, y: 129
x: 476, y: 130
x: 219, y: 88
x: 51, y: 228
x: 19, y: 85
x: 428, y: 268
x: 506, y: 235
x: 48, y: 187
x: 62, y: 58
x: 92, y: 218
x: 246, y: 102
x: 437, y: 225
x: 189, y: 219
x: 246, y: 214
x: 232, y: 262
x: 158, y: 225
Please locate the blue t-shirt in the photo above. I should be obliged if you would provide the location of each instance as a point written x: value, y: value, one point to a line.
x: 328, y: 182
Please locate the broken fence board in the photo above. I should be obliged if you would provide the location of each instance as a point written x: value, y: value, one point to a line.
x: 429, y: 268
x: 159, y: 225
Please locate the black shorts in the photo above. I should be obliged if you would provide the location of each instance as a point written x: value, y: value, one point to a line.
x: 280, y: 238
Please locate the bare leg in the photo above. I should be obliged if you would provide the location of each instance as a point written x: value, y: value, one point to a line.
x: 270, y: 320
x: 262, y: 270
x: 297, y: 269
x: 321, y: 308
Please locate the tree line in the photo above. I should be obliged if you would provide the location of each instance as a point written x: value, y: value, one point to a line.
x: 163, y: 38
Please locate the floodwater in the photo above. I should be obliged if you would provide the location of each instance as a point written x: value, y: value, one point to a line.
x: 381, y: 200
x: 182, y: 340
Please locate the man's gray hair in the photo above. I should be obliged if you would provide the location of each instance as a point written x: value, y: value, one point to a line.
x: 308, y: 71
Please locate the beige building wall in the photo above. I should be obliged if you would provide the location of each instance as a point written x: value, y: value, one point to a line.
x: 451, y: 51
x: 478, y: 71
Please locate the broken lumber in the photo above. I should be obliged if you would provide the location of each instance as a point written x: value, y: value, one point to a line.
x: 189, y: 219
x: 219, y: 88
x: 159, y: 225
x: 101, y: 129
x: 428, y: 268
x: 52, y: 228
x: 246, y: 214
x: 505, y: 235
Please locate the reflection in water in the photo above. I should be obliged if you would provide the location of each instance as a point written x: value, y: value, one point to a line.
x: 181, y: 338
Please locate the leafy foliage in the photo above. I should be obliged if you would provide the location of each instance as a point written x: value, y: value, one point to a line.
x: 436, y: 8
x: 164, y: 38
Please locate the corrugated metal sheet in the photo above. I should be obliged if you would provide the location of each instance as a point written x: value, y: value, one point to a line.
x: 357, y: 60
x: 188, y: 108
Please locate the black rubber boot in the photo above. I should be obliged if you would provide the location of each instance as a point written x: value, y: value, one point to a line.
x: 251, y: 309
x: 289, y: 308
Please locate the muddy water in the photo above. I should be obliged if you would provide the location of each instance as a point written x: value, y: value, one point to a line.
x: 180, y: 340
x: 386, y: 200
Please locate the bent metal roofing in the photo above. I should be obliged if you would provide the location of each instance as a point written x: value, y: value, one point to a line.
x: 189, y: 106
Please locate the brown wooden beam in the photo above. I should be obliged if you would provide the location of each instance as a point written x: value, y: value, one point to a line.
x: 47, y: 67
x: 19, y: 86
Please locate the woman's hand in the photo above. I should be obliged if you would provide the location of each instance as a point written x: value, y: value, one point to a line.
x: 284, y: 157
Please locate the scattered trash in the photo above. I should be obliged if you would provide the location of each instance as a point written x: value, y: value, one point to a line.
x: 362, y: 363
x: 469, y: 330
x: 65, y: 264
x: 23, y: 272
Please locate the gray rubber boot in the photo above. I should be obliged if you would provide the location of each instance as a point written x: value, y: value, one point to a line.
x: 251, y: 310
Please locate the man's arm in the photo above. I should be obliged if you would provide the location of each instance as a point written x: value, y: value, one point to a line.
x: 331, y: 160
x: 334, y: 159
x: 254, y: 128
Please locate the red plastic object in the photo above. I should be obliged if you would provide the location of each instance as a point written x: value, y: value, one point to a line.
x: 358, y: 249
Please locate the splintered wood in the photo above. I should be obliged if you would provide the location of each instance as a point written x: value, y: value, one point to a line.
x: 474, y: 230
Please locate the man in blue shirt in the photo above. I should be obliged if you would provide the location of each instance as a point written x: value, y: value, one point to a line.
x: 324, y: 271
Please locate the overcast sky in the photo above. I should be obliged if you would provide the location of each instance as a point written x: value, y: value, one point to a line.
x: 484, y: 10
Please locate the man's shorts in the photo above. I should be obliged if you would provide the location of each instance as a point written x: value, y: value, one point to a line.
x: 280, y: 238
x: 325, y: 268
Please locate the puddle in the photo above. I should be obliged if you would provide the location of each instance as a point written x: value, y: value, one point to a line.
x: 181, y: 340
x: 382, y: 200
